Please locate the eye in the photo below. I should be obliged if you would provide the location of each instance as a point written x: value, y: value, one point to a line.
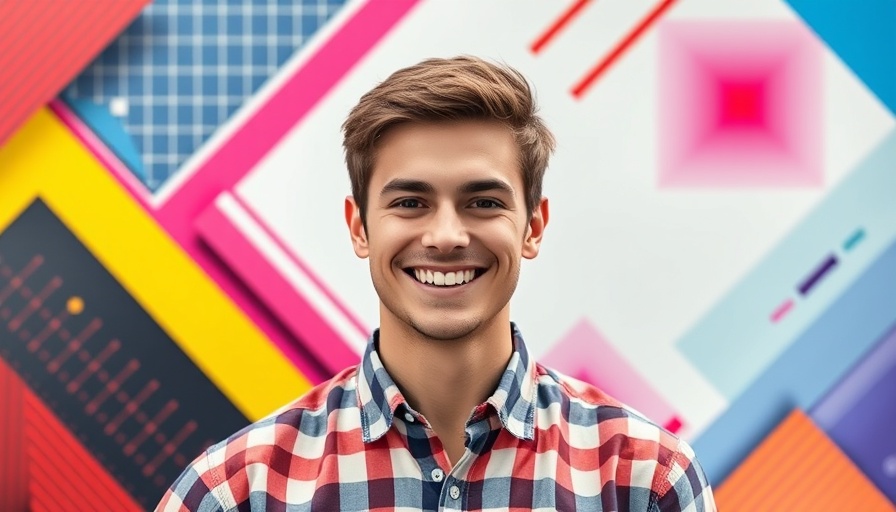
x: 408, y: 203
x: 487, y: 204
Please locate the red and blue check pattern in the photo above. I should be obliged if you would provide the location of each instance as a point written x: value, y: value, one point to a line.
x: 542, y: 441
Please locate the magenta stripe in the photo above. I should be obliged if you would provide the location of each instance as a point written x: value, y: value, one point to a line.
x: 318, y: 282
x: 288, y: 106
x: 268, y: 284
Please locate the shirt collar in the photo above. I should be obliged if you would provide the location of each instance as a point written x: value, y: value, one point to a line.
x: 513, y: 400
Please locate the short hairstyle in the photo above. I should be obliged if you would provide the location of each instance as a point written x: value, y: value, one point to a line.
x: 458, y: 88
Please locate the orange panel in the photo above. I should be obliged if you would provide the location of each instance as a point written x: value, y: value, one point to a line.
x: 797, y: 467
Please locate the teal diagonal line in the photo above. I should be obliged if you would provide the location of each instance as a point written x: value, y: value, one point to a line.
x: 863, y: 34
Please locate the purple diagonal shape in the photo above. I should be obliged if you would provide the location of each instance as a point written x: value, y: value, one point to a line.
x: 815, y: 277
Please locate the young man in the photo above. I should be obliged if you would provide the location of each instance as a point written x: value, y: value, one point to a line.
x: 447, y: 410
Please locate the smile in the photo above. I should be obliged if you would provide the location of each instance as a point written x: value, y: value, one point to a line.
x: 443, y: 278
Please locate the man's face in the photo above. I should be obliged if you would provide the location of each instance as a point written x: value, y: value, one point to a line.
x: 446, y: 226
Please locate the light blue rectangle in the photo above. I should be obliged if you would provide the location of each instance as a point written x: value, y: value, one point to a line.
x: 808, y: 368
x: 736, y: 341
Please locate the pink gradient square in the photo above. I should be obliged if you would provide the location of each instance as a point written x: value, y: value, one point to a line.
x: 740, y: 105
x: 585, y: 354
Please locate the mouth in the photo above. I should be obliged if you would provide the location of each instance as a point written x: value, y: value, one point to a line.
x: 444, y: 278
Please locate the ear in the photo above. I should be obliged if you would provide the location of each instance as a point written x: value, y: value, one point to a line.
x: 356, y: 227
x: 535, y: 230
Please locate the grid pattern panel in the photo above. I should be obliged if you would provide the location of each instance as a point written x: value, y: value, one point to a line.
x: 183, y: 67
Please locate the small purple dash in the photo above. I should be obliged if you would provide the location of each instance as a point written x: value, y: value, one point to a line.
x: 816, y: 275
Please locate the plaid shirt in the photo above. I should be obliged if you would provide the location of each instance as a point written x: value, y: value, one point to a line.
x: 542, y: 441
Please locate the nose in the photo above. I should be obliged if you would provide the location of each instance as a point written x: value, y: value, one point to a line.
x: 445, y: 231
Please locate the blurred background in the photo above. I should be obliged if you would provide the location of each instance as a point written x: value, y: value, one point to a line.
x: 721, y: 253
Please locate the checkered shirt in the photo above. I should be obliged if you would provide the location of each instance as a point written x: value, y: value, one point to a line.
x: 542, y: 441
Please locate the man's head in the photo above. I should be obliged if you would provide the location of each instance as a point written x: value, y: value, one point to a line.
x: 436, y: 90
x: 446, y: 160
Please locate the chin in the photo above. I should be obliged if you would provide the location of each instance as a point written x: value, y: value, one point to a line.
x: 446, y: 330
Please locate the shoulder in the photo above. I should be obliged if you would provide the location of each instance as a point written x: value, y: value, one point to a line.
x: 594, y: 416
x: 631, y: 450
x: 257, y: 457
x: 582, y: 403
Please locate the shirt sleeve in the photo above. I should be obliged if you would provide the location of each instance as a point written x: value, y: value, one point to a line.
x: 684, y: 485
x: 193, y: 491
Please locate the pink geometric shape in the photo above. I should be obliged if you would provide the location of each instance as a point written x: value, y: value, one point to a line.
x: 781, y: 311
x: 586, y: 355
x: 740, y: 105
x: 267, y: 282
x: 178, y: 211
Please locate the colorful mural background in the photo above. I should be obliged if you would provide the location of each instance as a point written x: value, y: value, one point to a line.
x: 721, y: 254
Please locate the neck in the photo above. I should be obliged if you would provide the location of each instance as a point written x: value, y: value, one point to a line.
x: 445, y: 379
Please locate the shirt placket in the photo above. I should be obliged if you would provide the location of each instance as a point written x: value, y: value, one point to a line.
x: 434, y: 468
x: 456, y: 487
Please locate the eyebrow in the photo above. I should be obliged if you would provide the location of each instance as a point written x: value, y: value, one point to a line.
x: 488, y: 185
x: 404, y: 185
x: 422, y: 187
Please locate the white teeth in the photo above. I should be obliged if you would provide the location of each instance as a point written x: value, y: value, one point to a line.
x: 444, y: 278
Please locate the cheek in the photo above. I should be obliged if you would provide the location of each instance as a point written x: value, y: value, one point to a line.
x: 504, y: 239
x: 389, y: 238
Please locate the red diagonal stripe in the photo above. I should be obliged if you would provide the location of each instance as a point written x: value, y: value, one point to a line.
x: 47, y: 462
x: 45, y: 43
x: 582, y: 86
x: 43, y: 495
x: 13, y: 461
x: 71, y: 459
x: 14, y: 20
x: 24, y: 57
x: 47, y: 482
x: 558, y: 25
x: 49, y: 70
x: 19, y: 49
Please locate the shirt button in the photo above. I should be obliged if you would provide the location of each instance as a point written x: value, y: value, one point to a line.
x: 454, y: 492
x: 409, y: 417
x: 437, y: 475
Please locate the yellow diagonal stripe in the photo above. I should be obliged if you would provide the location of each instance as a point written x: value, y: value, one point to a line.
x: 43, y: 159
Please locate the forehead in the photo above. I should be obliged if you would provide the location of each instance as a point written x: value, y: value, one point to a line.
x: 447, y: 152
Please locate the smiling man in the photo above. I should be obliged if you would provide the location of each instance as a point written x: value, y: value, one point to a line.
x: 447, y: 410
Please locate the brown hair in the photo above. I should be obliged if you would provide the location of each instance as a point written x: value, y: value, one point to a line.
x: 459, y: 88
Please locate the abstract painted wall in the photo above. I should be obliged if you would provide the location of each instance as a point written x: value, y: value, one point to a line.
x: 721, y: 254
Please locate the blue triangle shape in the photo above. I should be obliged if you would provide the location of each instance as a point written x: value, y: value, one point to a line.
x: 111, y: 130
x: 862, y: 34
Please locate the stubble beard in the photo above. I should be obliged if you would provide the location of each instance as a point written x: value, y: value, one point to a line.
x: 459, y: 330
x: 448, y: 330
